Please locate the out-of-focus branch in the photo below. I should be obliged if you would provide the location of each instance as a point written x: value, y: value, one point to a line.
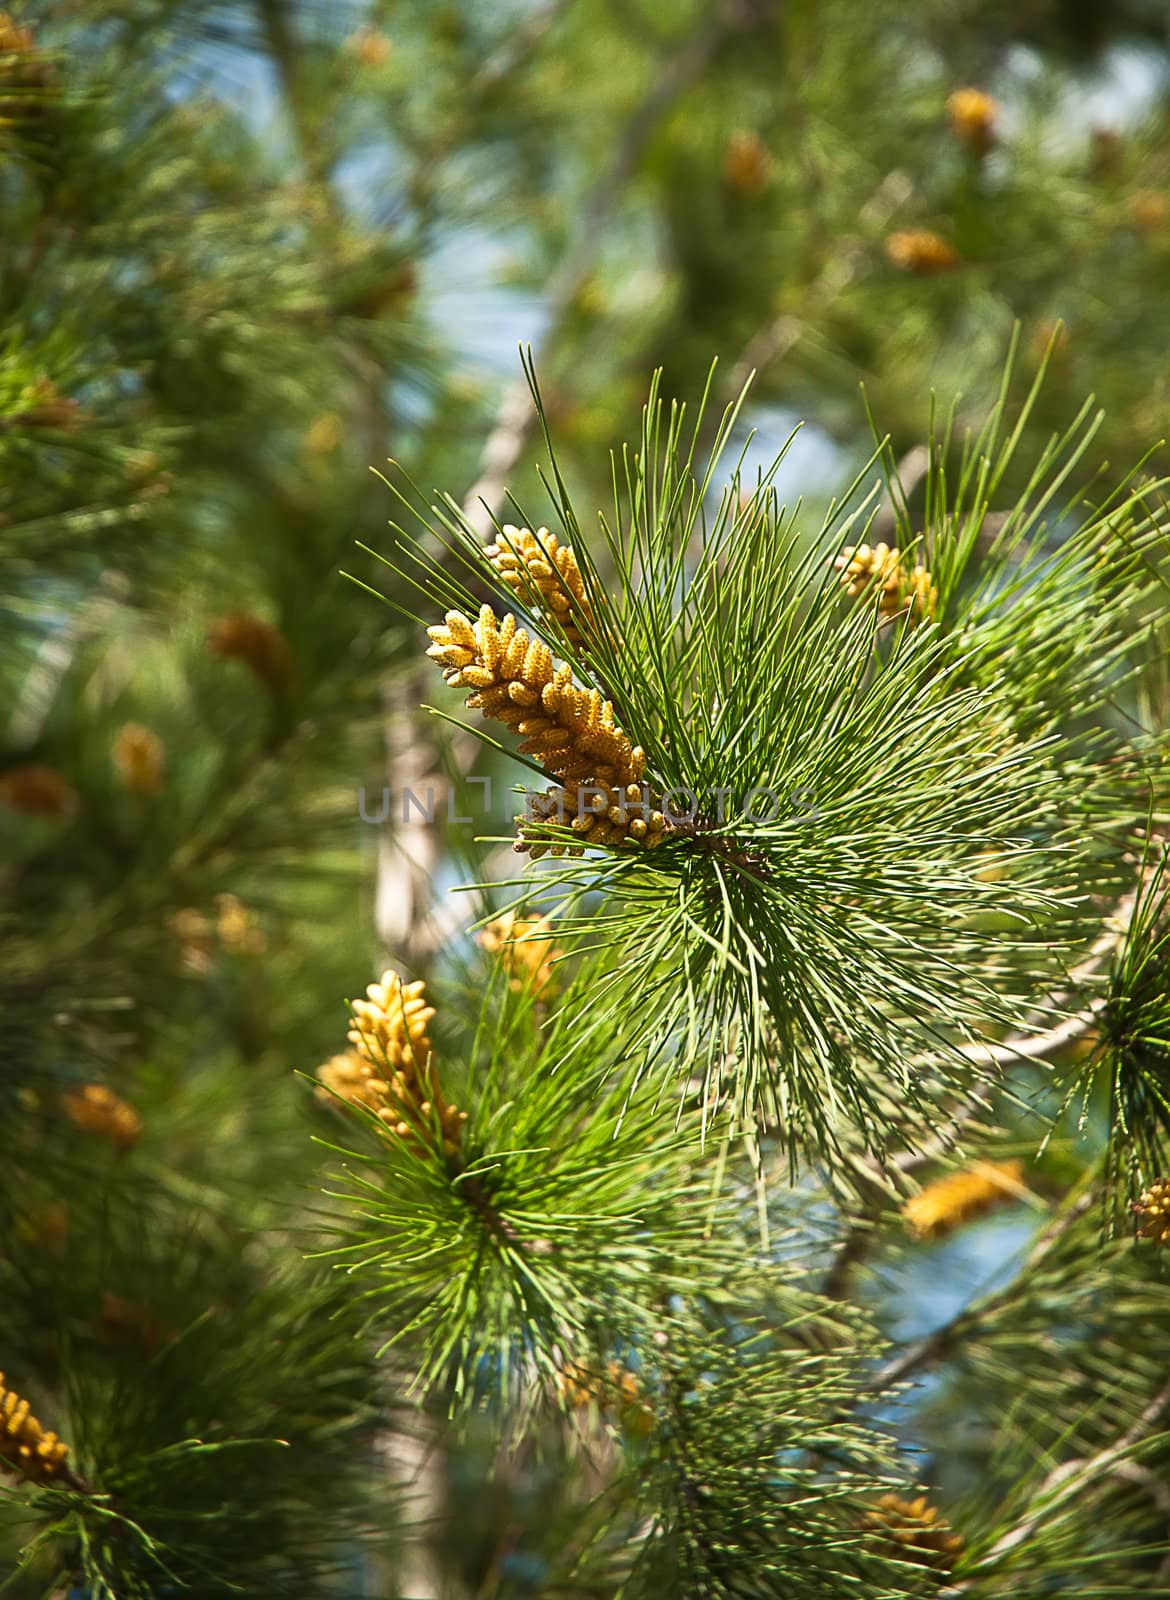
x: 56, y: 655
x: 910, y: 471
x: 516, y: 417
x: 1140, y: 1477
x: 776, y: 339
x: 1065, y: 1483
x: 522, y: 41
x: 942, y: 1341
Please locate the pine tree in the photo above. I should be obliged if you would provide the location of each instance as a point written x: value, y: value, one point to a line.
x: 641, y: 1066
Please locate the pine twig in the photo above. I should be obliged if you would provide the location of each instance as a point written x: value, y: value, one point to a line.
x: 934, y: 1346
x: 405, y: 864
x: 1064, y: 1483
x: 1028, y: 1047
x: 522, y: 41
x: 516, y: 417
x: 909, y: 472
x: 860, y: 1235
x: 779, y: 337
x: 1019, y: 1047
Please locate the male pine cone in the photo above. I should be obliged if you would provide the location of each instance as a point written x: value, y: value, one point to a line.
x: 947, y: 1203
x: 543, y: 575
x: 913, y: 1530
x: 526, y: 949
x: 26, y: 1447
x: 1152, y: 1210
x: 390, y: 1067
x: 884, y: 570
x: 571, y: 732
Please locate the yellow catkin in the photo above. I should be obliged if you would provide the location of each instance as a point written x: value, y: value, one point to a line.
x: 324, y: 434
x: 882, y: 569
x: 48, y: 408
x: 947, y: 1203
x: 921, y: 593
x: 22, y: 63
x: 262, y: 648
x: 1152, y: 1209
x: 571, y: 732
x: 196, y: 940
x: 389, y: 1034
x: 1149, y: 210
x: 34, y: 790
x: 95, y: 1108
x: 369, y: 47
x: 878, y: 566
x: 913, y: 1530
x: 624, y: 1396
x: 236, y: 927
x: 921, y: 251
x: 973, y: 115
x: 526, y: 948
x: 578, y: 1387
x: 139, y: 757
x: 616, y: 1390
x: 15, y: 40
x: 25, y: 1447
x: 544, y: 576
x: 390, y: 1025
x: 747, y: 165
x: 349, y: 1076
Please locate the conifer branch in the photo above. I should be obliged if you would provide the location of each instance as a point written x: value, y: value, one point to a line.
x: 909, y: 472
x: 945, y: 1339
x: 282, y: 45
x: 771, y: 343
x: 876, y: 1175
x: 1034, y: 1047
x: 523, y: 39
x: 404, y: 864
x: 516, y: 417
x: 1132, y: 1472
x: 1063, y: 1485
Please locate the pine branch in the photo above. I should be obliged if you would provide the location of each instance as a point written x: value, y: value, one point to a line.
x: 944, y: 1340
x: 771, y: 343
x: 1063, y: 1485
x: 405, y: 863
x: 56, y: 655
x: 1132, y: 1472
x: 909, y: 472
x: 875, y: 1175
x: 282, y: 45
x: 1038, y: 1047
x: 524, y: 39
x: 516, y: 418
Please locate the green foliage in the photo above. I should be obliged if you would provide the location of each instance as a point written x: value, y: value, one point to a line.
x: 208, y: 1462
x: 784, y: 941
x: 744, y: 1412
x: 1131, y: 1060
x: 657, y: 1321
x: 497, y: 1270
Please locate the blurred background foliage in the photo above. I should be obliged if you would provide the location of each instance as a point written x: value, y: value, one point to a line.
x: 251, y: 251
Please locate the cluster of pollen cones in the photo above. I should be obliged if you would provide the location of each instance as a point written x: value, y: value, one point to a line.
x: 571, y: 732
